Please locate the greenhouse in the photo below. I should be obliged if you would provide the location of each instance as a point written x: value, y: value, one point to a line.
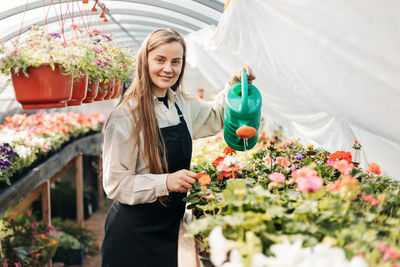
x: 195, y: 133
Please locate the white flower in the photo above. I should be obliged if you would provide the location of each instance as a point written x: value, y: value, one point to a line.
x: 230, y: 161
x: 23, y: 151
x: 235, y: 259
x: 219, y: 246
x: 293, y: 255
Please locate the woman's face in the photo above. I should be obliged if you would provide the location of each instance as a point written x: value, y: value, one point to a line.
x: 165, y: 66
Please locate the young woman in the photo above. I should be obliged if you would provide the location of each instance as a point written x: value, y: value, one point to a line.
x: 147, y: 152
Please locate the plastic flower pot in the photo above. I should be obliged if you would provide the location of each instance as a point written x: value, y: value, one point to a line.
x: 44, y: 88
x: 79, y: 91
x: 92, y: 91
x: 111, y: 89
x: 116, y: 89
x: 102, y: 91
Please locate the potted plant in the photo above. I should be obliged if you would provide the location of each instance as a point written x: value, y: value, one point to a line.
x: 41, y: 67
x: 69, y: 250
x: 28, y: 242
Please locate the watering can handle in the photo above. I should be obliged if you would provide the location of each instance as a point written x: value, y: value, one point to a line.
x: 245, y: 90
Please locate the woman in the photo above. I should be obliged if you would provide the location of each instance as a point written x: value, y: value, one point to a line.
x: 147, y: 152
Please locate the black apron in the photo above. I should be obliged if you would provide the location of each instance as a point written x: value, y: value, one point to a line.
x: 146, y: 235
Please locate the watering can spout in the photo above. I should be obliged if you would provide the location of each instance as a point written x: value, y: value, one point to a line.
x: 246, y: 132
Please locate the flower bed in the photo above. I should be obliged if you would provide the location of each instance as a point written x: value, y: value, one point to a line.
x: 282, y: 204
x: 25, y: 141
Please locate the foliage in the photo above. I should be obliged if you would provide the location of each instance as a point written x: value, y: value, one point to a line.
x: 85, y: 237
x: 317, y: 201
x: 27, y: 242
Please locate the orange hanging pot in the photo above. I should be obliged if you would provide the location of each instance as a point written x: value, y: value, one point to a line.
x: 44, y: 88
x: 102, y: 91
x: 93, y: 90
x: 79, y: 89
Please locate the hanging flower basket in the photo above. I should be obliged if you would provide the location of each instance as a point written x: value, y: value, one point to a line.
x: 93, y: 90
x: 79, y: 91
x: 118, y: 89
x: 111, y: 89
x: 44, y: 88
x: 102, y: 91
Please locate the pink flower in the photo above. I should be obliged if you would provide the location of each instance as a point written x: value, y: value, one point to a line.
x: 17, y: 264
x: 343, y: 166
x: 307, y: 180
x: 312, y: 183
x: 370, y: 198
x: 304, y: 172
x: 5, y: 264
x: 330, y: 163
x: 268, y: 160
x: 277, y: 177
x: 283, y: 161
x: 28, y: 212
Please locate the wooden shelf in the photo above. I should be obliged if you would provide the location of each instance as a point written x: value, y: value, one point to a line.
x: 50, y: 169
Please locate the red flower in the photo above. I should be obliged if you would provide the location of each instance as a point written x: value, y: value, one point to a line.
x: 217, y: 161
x: 339, y: 155
x: 228, y: 150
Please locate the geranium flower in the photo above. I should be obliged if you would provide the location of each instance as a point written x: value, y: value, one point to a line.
x: 228, y: 150
x: 217, y: 161
x: 282, y: 161
x: 312, y: 183
x: 339, y: 155
x: 277, y: 177
x: 343, y: 166
x: 204, y: 179
x: 370, y: 198
x: 374, y: 168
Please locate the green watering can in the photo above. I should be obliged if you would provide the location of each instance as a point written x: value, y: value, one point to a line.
x: 242, y: 115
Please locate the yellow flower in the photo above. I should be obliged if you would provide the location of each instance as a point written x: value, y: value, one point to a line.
x: 310, y: 146
x: 52, y: 242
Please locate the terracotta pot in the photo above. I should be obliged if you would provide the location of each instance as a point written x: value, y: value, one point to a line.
x: 111, y: 89
x: 102, y: 92
x: 93, y: 90
x: 79, y: 91
x: 116, y: 89
x: 44, y: 88
x: 120, y: 88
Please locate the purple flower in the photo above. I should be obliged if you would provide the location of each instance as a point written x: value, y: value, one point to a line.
x: 55, y: 35
x: 106, y: 37
x: 299, y: 156
x: 98, y: 40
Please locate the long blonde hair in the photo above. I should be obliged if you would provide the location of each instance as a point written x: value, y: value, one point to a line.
x: 141, y: 93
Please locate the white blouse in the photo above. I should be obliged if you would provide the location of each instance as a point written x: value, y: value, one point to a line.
x: 125, y: 175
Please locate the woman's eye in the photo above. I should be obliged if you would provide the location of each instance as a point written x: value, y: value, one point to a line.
x: 175, y: 62
x: 160, y: 60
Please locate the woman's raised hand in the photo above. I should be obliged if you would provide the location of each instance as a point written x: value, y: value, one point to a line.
x: 237, y: 76
x: 181, y: 181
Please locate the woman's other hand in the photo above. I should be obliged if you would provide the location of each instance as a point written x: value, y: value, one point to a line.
x: 180, y: 181
x: 237, y: 76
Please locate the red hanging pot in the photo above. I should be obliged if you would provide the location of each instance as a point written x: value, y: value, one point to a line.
x: 102, y: 91
x: 93, y: 90
x: 44, y: 88
x: 79, y: 89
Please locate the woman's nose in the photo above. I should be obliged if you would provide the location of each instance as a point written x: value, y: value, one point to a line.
x: 167, y: 67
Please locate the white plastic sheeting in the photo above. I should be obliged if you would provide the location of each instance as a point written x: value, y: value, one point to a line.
x: 328, y: 71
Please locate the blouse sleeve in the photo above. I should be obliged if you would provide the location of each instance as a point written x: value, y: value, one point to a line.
x: 120, y: 160
x: 208, y: 117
